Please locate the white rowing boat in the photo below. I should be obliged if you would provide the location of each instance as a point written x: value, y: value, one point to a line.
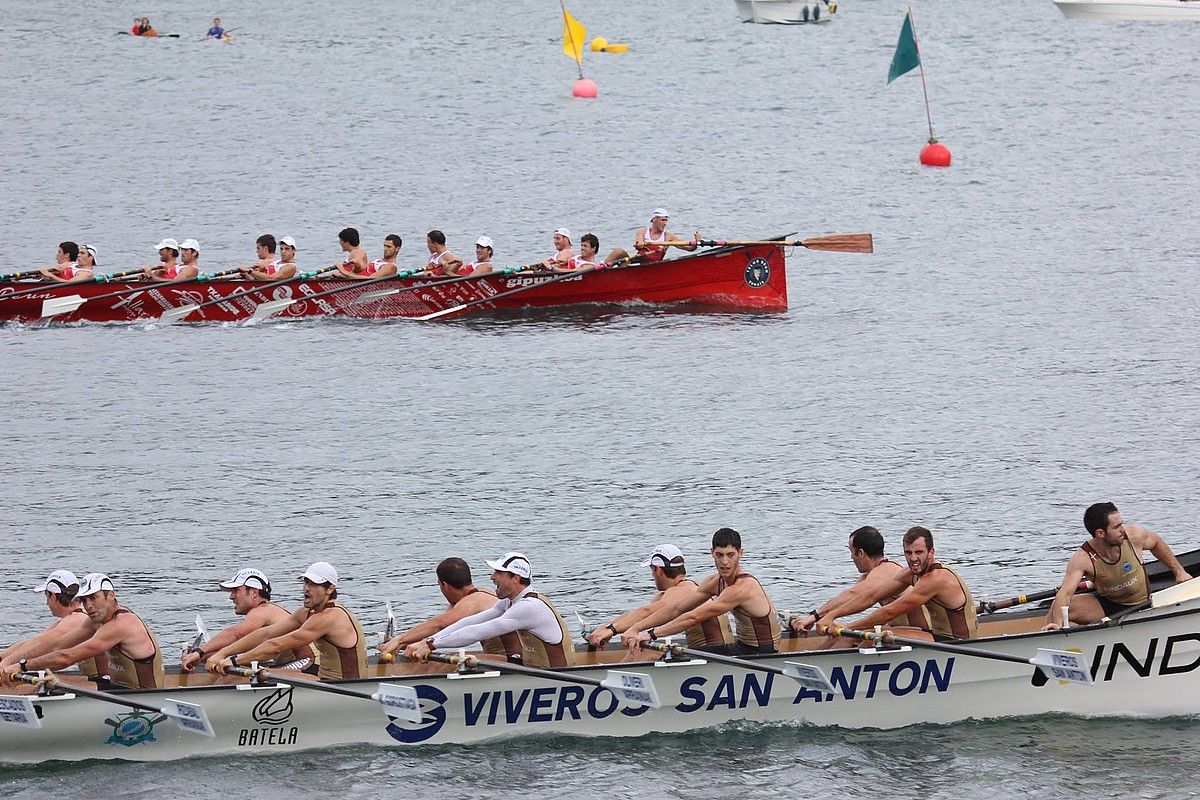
x: 1137, y: 10
x: 1144, y: 664
x: 785, y: 12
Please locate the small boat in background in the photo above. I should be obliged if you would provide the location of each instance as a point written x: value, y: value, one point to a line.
x: 786, y: 12
x: 1139, y: 10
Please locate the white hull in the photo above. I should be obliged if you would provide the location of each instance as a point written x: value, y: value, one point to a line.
x: 1146, y: 667
x: 1152, y: 10
x: 783, y: 12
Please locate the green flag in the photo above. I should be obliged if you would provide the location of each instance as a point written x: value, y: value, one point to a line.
x: 906, y: 56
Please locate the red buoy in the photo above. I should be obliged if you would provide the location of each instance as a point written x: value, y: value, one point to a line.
x: 584, y: 87
x: 935, y: 154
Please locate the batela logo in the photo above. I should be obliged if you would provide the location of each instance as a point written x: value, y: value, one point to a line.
x: 135, y: 728
x: 433, y: 717
x: 275, y: 708
x: 758, y: 272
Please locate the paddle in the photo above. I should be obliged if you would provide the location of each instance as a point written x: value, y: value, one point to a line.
x: 808, y: 676
x: 1021, y: 599
x: 1059, y: 664
x: 175, y: 314
x: 635, y: 688
x: 68, y: 303
x: 18, y: 709
x: 41, y: 287
x: 400, y: 700
x: 562, y: 277
x: 839, y: 243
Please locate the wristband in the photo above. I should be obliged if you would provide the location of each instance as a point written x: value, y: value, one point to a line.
x: 233, y: 661
x: 612, y: 628
x: 816, y: 616
x: 651, y: 633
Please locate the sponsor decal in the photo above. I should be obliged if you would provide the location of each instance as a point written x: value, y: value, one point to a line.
x: 433, y: 717
x: 1180, y: 654
x: 133, y: 728
x: 758, y: 272
x: 513, y: 283
x: 272, y: 712
x: 1127, y: 567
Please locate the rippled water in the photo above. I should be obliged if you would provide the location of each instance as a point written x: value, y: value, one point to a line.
x: 1021, y: 344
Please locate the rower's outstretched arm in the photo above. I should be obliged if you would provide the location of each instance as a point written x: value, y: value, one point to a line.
x: 58, y: 636
x: 1162, y: 551
x: 424, y: 630
x: 913, y: 598
x: 107, y: 637
x: 685, y: 601
x: 255, y: 638
x: 862, y: 595
x: 313, y: 628
x: 726, y: 601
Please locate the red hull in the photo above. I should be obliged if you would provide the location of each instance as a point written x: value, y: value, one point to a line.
x: 737, y: 278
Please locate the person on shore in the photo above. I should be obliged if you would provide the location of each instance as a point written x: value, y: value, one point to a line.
x: 1112, y: 560
x: 356, y: 258
x: 647, y: 242
x: 728, y: 590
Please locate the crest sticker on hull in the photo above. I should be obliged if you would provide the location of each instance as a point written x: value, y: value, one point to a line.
x: 133, y: 728
x: 758, y: 272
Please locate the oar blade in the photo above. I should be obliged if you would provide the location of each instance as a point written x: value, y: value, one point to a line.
x: 18, y: 711
x: 390, y: 633
x: 441, y: 313
x: 399, y: 701
x: 379, y: 294
x: 808, y: 676
x: 270, y: 309
x: 189, y: 717
x: 1063, y: 665
x: 175, y: 314
x: 61, y: 305
x: 635, y: 688
x: 842, y: 243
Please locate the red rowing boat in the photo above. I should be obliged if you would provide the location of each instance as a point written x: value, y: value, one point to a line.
x: 741, y: 278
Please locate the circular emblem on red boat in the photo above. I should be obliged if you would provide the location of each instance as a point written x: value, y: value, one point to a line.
x: 758, y: 272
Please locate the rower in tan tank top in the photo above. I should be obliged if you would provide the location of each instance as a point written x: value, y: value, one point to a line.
x: 341, y: 663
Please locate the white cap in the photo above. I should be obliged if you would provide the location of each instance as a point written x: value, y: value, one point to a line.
x: 485, y: 241
x: 289, y: 241
x: 321, y: 572
x: 90, y: 249
x: 563, y: 232
x: 190, y: 244
x: 171, y: 243
x: 659, y: 212
x: 245, y: 578
x: 95, y: 582
x: 57, y: 581
x: 665, y: 555
x: 513, y: 562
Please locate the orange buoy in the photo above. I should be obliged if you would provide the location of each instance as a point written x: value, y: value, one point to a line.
x: 935, y: 154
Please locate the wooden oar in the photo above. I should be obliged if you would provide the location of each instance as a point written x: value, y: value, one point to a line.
x: 116, y: 276
x: 804, y: 674
x: 481, y: 301
x: 18, y: 709
x: 1059, y: 664
x: 400, y: 700
x: 16, y: 276
x: 175, y: 314
x: 272, y: 308
x: 68, y: 303
x: 987, y: 607
x: 839, y: 243
x: 635, y: 688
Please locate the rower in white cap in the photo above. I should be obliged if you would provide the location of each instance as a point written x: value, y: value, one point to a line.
x: 485, y: 248
x: 675, y: 590
x: 644, y: 241
x: 250, y: 593
x: 134, y: 657
x: 73, y: 263
x: 563, y: 259
x: 543, y: 635
x: 322, y: 622
x: 70, y: 627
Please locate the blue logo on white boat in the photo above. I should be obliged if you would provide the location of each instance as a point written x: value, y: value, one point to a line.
x: 433, y: 717
x: 758, y: 272
x: 133, y: 728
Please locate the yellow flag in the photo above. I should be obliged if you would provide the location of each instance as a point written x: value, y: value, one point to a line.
x: 573, y: 36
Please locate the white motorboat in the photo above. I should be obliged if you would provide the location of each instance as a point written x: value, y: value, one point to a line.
x: 786, y: 12
x: 1141, y: 10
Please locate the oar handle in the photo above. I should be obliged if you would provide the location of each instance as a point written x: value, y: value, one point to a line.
x: 1022, y: 599
x: 474, y: 662
x: 678, y: 649
x: 886, y: 636
x: 48, y: 678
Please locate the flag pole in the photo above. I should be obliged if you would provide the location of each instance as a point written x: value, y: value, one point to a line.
x: 579, y: 62
x: 920, y: 66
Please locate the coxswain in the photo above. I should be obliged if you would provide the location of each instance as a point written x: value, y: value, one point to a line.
x: 383, y: 267
x: 482, y: 265
x: 441, y: 261
x: 250, y: 593
x: 321, y: 622
x: 645, y: 241
x: 168, y: 268
x: 563, y: 259
x: 929, y: 585
x: 70, y: 627
x: 880, y: 580
x: 729, y: 590
x: 356, y: 258
x: 456, y: 585
x: 542, y: 632
x: 669, y: 573
x: 65, y: 264
x: 134, y: 657
x: 216, y: 31
x: 1112, y: 560
x: 589, y: 251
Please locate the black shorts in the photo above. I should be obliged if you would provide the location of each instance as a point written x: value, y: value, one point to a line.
x: 1112, y: 607
x: 738, y: 649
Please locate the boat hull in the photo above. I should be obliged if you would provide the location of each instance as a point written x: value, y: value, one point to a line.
x: 1136, y: 10
x: 784, y: 12
x: 749, y: 278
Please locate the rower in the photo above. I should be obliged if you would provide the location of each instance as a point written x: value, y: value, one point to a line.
x: 1112, y: 560
x: 70, y: 627
x: 543, y: 634
x: 265, y: 268
x: 168, y: 268
x: 669, y: 573
x: 322, y: 622
x: 66, y: 266
x: 563, y: 259
x: 189, y: 254
x: 728, y: 590
x: 134, y: 657
x: 942, y: 593
x: 877, y: 582
x: 216, y: 31
x: 356, y: 258
x: 384, y: 267
x: 454, y: 581
x: 589, y: 251
x: 484, y: 250
x: 441, y: 261
x: 250, y: 593
x: 644, y: 241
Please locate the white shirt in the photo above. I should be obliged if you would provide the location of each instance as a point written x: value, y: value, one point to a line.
x: 522, y: 614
